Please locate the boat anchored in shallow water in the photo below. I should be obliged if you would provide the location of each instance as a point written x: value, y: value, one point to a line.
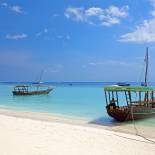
x: 139, y: 106
x: 31, y: 89
x: 140, y: 102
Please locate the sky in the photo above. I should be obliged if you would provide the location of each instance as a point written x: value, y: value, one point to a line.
x: 76, y: 40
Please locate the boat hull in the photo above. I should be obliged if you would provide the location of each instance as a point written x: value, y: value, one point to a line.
x: 122, y: 114
x: 32, y: 92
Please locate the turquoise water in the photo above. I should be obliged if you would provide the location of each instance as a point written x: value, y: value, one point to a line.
x: 85, y: 101
x: 78, y: 101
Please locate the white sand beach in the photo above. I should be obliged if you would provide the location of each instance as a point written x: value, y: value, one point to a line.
x: 23, y: 134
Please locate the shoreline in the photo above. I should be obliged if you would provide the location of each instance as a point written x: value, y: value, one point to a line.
x: 145, y: 131
x: 42, y: 116
x: 32, y: 133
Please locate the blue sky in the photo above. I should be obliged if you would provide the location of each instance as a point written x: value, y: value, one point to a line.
x: 76, y: 40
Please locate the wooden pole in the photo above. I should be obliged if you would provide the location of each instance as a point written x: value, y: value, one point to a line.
x: 106, y: 98
x: 146, y: 68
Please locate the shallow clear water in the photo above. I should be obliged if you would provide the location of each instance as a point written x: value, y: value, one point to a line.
x: 78, y: 101
x: 84, y: 101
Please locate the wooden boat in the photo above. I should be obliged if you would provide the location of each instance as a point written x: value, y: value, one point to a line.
x: 139, y: 106
x: 31, y: 90
x: 142, y: 107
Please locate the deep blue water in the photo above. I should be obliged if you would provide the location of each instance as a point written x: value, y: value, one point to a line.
x: 80, y: 100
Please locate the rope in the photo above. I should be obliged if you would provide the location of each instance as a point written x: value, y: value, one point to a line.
x: 133, y: 121
x: 134, y: 124
x: 136, y: 130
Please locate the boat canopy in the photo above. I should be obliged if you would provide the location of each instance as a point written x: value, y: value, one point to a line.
x: 19, y: 86
x: 129, y: 88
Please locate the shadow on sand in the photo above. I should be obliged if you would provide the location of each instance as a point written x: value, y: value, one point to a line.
x: 107, y: 121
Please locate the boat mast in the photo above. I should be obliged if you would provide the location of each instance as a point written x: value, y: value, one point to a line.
x: 41, y: 74
x: 146, y: 68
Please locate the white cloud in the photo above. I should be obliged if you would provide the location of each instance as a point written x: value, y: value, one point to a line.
x: 143, y: 33
x: 117, y: 12
x: 14, y: 8
x: 113, y: 63
x: 75, y: 13
x: 111, y: 21
x: 67, y: 37
x: 16, y: 36
x: 45, y: 30
x: 56, y: 15
x: 93, y: 11
x: 96, y: 15
x: 4, y: 4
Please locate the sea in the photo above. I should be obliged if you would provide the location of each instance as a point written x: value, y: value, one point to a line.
x: 82, y: 100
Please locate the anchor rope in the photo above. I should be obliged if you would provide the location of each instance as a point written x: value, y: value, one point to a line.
x: 135, y: 127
